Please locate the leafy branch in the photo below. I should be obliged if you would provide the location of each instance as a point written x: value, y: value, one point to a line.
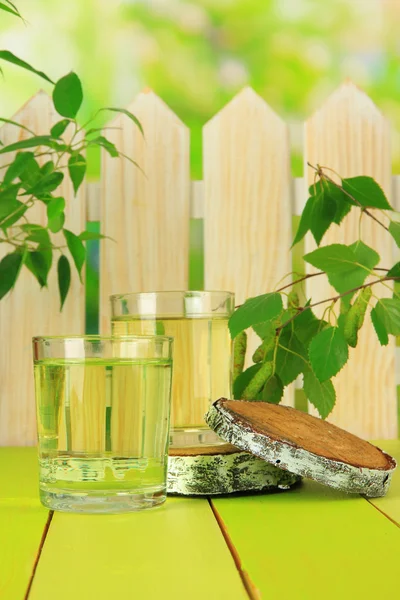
x: 294, y: 341
x: 34, y: 170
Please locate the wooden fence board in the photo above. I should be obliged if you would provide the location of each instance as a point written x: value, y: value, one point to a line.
x: 27, y: 310
x: 247, y: 228
x: 147, y: 213
x: 349, y: 135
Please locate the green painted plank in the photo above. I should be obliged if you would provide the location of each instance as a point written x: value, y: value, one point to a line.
x: 22, y: 520
x: 390, y: 504
x: 175, y: 552
x: 312, y: 543
x: 21, y: 529
x: 19, y: 473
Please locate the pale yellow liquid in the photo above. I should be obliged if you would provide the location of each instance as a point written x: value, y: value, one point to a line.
x: 103, y: 430
x: 201, y: 363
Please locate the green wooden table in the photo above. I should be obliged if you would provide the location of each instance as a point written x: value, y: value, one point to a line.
x: 309, y: 543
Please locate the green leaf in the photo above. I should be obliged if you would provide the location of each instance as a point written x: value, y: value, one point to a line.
x: 255, y: 310
x: 273, y: 390
x: 55, y: 208
x: 328, y: 353
x: 46, y: 184
x: 317, y: 216
x: 9, y: 270
x: 36, y: 262
x: 68, y: 95
x: 387, y: 311
x: 16, y: 124
x: 55, y: 214
x: 365, y: 255
x: 321, y: 395
x: 128, y: 114
x: 394, y: 230
x: 37, y: 233
x: 11, y: 213
x: 291, y: 357
x: 394, y: 271
x: 77, y: 249
x: 341, y: 265
x: 343, y: 204
x: 58, y: 129
x: 380, y: 328
x: 11, y: 58
x: 91, y: 235
x: 32, y: 142
x: 306, y: 326
x: 64, y: 278
x: 366, y: 191
x: 17, y: 167
x: 77, y: 170
x: 243, y: 380
x: 56, y: 223
x: 106, y: 144
x: 13, y: 11
x: 47, y: 168
x: 305, y: 221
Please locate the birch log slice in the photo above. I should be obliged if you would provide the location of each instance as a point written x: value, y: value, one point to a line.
x: 304, y: 445
x: 222, y: 469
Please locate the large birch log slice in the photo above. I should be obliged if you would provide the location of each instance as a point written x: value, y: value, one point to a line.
x: 222, y: 469
x: 304, y: 445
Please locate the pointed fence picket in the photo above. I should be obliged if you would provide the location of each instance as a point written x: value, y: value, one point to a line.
x: 351, y: 136
x: 146, y: 211
x: 247, y: 200
x: 28, y: 310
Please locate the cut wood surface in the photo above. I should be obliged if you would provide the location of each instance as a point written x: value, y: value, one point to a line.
x: 145, y: 211
x: 304, y: 445
x: 247, y: 227
x: 350, y: 135
x: 222, y: 469
x: 29, y: 310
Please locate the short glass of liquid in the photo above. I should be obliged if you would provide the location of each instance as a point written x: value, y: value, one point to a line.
x: 198, y: 322
x: 103, y: 410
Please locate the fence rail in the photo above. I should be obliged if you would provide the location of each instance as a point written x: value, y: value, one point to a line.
x: 246, y: 200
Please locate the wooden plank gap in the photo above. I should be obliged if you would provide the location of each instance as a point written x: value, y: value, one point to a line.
x: 197, y: 200
x: 93, y: 201
x: 369, y: 500
x: 39, y: 553
x: 249, y: 586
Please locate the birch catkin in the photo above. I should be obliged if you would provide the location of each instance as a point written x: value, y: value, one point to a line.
x: 355, y: 317
x: 239, y: 353
x: 266, y: 346
x: 258, y: 381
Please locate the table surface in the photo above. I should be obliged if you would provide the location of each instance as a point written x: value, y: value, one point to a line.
x: 307, y: 543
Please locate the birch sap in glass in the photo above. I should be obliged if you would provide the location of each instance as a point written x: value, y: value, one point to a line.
x: 198, y: 323
x: 103, y: 422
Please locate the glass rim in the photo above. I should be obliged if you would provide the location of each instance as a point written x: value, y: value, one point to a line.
x: 167, y: 292
x: 105, y: 338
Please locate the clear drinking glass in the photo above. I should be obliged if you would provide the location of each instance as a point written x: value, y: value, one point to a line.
x: 198, y: 322
x: 103, y: 407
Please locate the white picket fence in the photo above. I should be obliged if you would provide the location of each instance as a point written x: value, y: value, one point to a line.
x: 247, y: 198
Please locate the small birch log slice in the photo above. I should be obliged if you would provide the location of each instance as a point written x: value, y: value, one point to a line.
x: 222, y: 469
x: 304, y: 445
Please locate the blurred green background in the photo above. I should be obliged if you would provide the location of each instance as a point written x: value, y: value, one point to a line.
x: 197, y: 54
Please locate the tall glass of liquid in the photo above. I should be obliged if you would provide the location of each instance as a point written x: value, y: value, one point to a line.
x: 198, y: 322
x: 103, y: 408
